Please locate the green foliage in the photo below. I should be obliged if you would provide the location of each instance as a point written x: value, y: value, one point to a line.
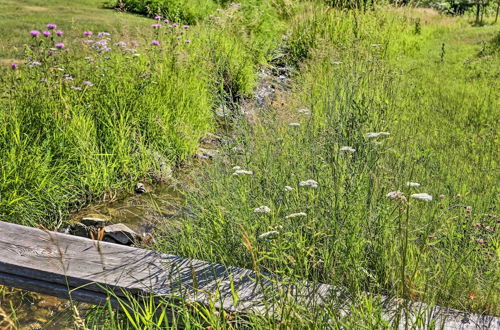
x: 65, y: 143
x: 186, y: 11
x: 441, y: 118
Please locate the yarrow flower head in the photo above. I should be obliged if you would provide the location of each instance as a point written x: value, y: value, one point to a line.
x: 268, y: 234
x: 76, y: 88
x: 59, y: 45
x: 35, y: 33
x: 309, y: 183
x: 413, y: 184
x: 155, y: 42
x: 87, y: 33
x: 296, y: 215
x: 51, y: 26
x: 376, y: 134
x: 46, y: 33
x: 59, y: 33
x: 396, y: 196
x: 262, y: 209
x: 242, y: 172
x: 422, y: 196
x: 351, y: 150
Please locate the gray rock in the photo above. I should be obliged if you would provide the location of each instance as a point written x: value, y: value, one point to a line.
x: 80, y: 230
x: 140, y: 188
x: 94, y: 222
x: 121, y: 233
x: 206, y: 153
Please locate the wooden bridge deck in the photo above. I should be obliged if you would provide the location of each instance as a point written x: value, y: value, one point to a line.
x: 56, y: 264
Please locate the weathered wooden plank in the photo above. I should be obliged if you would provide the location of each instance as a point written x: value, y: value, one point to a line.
x: 53, y: 263
x: 74, y: 261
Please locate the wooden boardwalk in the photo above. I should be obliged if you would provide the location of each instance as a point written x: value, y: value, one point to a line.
x: 56, y: 264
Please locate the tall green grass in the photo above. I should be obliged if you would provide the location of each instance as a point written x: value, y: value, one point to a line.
x: 80, y: 121
x: 366, y: 73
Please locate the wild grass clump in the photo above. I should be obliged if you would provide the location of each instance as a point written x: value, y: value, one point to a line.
x: 184, y: 11
x: 384, y: 185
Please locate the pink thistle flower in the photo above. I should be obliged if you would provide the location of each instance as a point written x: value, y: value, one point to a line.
x: 156, y: 26
x: 59, y: 45
x: 35, y: 33
x: 87, y: 33
x: 185, y: 27
x: 155, y: 43
x: 59, y: 33
x: 157, y: 17
x: 46, y: 33
x: 88, y: 83
x: 51, y: 26
x: 175, y: 25
x: 187, y: 41
x: 13, y: 66
x: 166, y: 21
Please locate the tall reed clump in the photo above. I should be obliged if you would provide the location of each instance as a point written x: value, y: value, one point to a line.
x: 368, y: 179
x: 81, y: 117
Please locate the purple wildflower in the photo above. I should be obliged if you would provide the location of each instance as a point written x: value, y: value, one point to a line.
x: 187, y: 41
x: 67, y: 77
x: 103, y: 34
x: 165, y: 21
x: 51, y: 26
x: 122, y: 44
x: 59, y: 45
x: 46, y: 33
x: 185, y: 27
x: 76, y: 88
x: 88, y: 83
x: 87, y: 33
x: 13, y: 66
x: 35, y: 33
x: 156, y: 26
x: 34, y: 63
x: 157, y: 17
x: 175, y: 25
x: 59, y: 33
x: 155, y: 42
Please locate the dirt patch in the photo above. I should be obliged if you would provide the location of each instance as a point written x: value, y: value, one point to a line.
x: 35, y: 8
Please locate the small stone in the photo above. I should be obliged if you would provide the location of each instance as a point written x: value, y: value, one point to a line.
x: 121, y: 233
x: 206, y: 154
x: 94, y: 222
x: 80, y: 229
x: 140, y: 188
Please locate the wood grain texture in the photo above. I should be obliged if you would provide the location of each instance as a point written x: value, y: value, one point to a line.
x: 54, y: 263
